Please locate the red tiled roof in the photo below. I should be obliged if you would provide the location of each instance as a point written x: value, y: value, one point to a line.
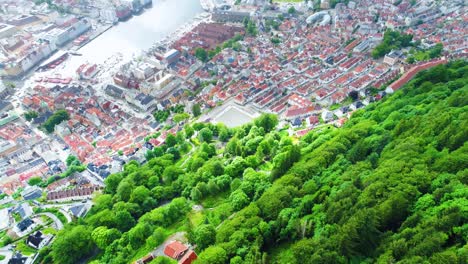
x: 175, y: 249
x: 293, y: 112
x: 188, y: 258
x: 413, y: 71
x: 313, y: 120
x: 155, y: 142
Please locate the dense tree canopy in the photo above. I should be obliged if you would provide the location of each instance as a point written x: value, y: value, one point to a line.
x: 201, y: 54
x: 72, y: 244
x: 392, y: 40
x: 55, y: 119
x: 387, y: 187
x: 30, y: 115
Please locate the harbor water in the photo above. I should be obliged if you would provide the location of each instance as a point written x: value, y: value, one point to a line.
x: 138, y: 33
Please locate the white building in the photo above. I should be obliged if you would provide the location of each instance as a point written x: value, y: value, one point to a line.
x: 35, y: 56
x: 62, y: 129
x: 4, y: 219
x: 143, y: 71
x: 141, y: 101
x: 327, y: 116
x: 165, y: 80
x: 60, y: 37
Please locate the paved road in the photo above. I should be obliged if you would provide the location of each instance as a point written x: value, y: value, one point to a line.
x: 66, y: 214
x: 60, y: 208
x: 58, y: 223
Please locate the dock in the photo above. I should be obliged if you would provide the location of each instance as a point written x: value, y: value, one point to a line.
x: 92, y: 37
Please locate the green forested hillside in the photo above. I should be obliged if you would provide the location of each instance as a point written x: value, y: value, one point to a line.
x: 388, y: 187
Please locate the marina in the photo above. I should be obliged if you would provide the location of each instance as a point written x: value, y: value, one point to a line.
x: 155, y: 26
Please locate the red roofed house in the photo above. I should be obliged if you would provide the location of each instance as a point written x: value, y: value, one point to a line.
x: 189, y: 257
x: 412, y: 72
x: 295, y: 112
x: 180, y: 252
x: 313, y: 120
x: 175, y: 249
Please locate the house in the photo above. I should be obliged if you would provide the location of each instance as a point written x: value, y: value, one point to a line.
x: 296, y: 112
x: 189, y: 257
x: 363, y: 46
x: 340, y: 122
x: 313, y: 120
x: 37, y: 240
x: 175, y: 249
x: 299, y: 101
x: 356, y: 105
x: 24, y: 210
x: 297, y: 122
x: 145, y: 102
x: 230, y: 16
x: 19, y: 259
x: 79, y: 210
x: 5, y: 106
x: 327, y: 116
x: 78, y: 193
x: 393, y: 57
x: 341, y: 111
x: 412, y: 72
x: 146, y: 259
x: 25, y: 224
x: 180, y: 252
x: 31, y: 193
x: 114, y: 91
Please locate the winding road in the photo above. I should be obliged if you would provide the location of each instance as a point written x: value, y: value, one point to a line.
x: 57, y: 222
x: 63, y: 211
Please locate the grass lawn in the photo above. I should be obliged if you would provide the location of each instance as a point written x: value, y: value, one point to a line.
x: 49, y: 230
x: 4, y: 239
x: 61, y: 217
x: 421, y: 55
x: 17, y: 217
x: 347, y: 101
x: 334, y: 107
x: 2, y: 257
x: 196, y: 218
x: 143, y: 251
x: 6, y: 205
x: 25, y: 249
x: 213, y: 201
x: 176, y: 227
